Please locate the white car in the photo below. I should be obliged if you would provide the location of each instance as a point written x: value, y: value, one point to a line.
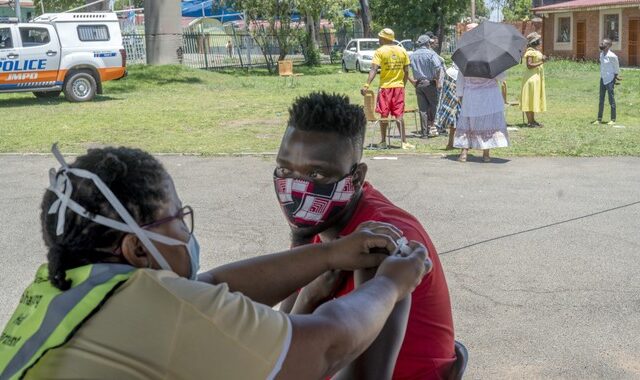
x: 72, y: 53
x: 359, y: 53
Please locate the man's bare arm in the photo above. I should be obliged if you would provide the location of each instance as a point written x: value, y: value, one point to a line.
x: 379, y: 360
x: 340, y: 330
x: 270, y: 279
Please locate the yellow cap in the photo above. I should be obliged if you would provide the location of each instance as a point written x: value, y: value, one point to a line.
x: 387, y: 34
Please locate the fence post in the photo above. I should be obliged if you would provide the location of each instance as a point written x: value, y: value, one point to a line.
x: 248, y: 42
x: 235, y: 41
x: 328, y: 44
x: 206, y: 49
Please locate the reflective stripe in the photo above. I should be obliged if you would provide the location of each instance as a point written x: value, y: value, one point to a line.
x: 58, y: 309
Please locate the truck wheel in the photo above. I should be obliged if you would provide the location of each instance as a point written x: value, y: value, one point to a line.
x: 80, y: 87
x: 47, y: 94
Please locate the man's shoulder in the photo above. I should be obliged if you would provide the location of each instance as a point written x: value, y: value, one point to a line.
x: 375, y: 206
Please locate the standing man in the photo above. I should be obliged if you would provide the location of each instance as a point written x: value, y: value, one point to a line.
x: 426, y: 67
x: 609, y: 70
x: 320, y: 182
x: 230, y: 48
x: 393, y: 62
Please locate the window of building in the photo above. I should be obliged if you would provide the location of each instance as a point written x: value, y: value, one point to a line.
x: 5, y: 38
x: 32, y: 36
x: 564, y: 29
x: 610, y: 20
x: 612, y: 27
x: 93, y: 33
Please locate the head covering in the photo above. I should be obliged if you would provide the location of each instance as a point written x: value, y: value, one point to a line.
x: 387, y: 34
x: 533, y: 37
x: 423, y: 40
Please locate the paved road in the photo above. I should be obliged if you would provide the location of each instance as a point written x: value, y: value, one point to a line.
x: 542, y: 255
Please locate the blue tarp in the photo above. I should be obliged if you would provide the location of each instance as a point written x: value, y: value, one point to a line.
x: 212, y: 8
x: 209, y: 8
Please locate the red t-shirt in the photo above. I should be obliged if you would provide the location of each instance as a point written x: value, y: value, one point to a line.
x: 427, y: 351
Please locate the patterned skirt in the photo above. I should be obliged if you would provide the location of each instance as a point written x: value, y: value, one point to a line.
x: 448, y: 105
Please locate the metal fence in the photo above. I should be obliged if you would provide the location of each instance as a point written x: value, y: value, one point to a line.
x: 217, y: 50
x: 223, y: 50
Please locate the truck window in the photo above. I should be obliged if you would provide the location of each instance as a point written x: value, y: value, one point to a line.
x: 93, y: 33
x: 5, y: 38
x: 32, y: 36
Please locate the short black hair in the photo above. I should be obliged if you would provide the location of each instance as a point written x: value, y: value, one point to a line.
x: 137, y: 180
x: 329, y: 113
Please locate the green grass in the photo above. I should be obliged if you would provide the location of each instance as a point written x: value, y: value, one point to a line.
x: 173, y: 109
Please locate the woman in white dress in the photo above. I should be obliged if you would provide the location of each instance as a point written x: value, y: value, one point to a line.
x: 481, y: 124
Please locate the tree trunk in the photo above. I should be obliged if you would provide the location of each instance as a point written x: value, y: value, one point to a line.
x: 366, y: 18
x: 440, y: 31
x: 104, y: 6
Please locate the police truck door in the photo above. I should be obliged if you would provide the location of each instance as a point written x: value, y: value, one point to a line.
x: 7, y: 55
x: 39, y: 61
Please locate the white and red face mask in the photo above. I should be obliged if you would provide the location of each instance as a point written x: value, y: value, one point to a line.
x: 309, y: 204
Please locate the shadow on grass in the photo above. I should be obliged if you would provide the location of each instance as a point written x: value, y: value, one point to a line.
x: 33, y: 101
x: 473, y: 159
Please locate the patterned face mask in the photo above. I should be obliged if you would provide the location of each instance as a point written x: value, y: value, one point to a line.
x: 309, y: 204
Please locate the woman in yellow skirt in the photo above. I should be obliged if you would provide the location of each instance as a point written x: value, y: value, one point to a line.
x: 532, y: 98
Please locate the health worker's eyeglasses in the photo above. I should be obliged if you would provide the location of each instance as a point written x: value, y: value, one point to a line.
x: 185, y: 214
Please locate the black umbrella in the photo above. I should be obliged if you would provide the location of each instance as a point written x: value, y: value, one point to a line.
x: 489, y: 49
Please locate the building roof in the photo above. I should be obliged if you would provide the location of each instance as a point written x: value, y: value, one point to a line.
x: 23, y: 3
x: 586, y: 5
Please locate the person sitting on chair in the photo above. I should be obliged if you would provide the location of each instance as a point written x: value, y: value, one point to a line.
x: 320, y: 184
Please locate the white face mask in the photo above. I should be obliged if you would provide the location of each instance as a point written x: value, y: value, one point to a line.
x: 60, y: 184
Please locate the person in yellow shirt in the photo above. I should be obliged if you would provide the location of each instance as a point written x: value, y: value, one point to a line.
x: 121, y: 298
x: 393, y: 62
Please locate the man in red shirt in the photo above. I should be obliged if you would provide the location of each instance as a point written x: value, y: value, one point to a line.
x: 321, y: 187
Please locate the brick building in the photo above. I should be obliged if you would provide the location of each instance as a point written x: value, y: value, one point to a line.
x: 573, y: 29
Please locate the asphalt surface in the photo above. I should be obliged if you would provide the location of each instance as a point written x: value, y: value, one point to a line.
x: 542, y: 255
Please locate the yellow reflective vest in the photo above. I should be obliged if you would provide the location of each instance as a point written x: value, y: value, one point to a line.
x: 47, y: 317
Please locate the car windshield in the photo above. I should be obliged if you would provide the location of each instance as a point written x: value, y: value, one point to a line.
x: 369, y: 45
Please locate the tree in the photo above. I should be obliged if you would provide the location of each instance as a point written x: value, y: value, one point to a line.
x: 366, y: 18
x: 313, y: 10
x: 52, y: 6
x: 410, y: 18
x: 277, y: 14
x: 482, y: 11
x: 103, y: 6
x: 516, y: 10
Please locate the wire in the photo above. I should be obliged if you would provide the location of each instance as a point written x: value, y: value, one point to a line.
x: 539, y: 228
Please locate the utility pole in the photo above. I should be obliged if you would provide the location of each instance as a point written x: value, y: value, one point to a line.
x: 163, y: 32
x: 18, y: 11
x: 473, y: 11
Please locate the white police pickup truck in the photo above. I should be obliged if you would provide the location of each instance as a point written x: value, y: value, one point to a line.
x: 72, y: 53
